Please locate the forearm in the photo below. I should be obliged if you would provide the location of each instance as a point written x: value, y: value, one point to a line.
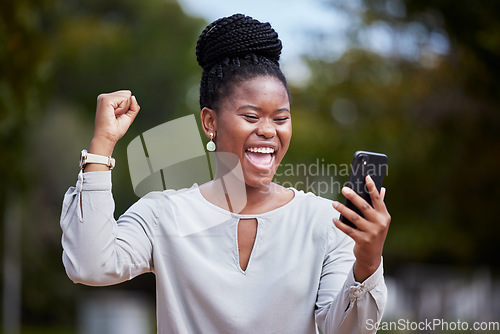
x: 100, y: 146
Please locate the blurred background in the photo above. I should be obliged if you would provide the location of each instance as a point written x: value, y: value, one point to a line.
x: 415, y: 79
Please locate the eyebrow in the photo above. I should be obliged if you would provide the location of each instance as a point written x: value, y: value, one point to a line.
x: 249, y: 106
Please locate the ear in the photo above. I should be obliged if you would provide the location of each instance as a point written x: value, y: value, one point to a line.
x: 208, y: 121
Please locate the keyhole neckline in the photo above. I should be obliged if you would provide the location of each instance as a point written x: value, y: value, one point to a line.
x: 248, y: 259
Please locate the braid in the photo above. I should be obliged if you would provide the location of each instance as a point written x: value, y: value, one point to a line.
x: 232, y: 49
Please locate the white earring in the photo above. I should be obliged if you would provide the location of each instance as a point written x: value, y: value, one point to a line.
x: 211, y: 144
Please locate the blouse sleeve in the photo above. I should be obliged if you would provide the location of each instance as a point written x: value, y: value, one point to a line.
x: 97, y: 250
x: 343, y: 305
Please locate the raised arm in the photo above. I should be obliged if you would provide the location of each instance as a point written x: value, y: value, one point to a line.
x: 97, y: 249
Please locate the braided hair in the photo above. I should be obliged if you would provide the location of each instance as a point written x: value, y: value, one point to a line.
x: 232, y: 49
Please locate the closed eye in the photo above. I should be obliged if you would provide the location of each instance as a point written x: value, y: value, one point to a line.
x: 281, y: 119
x: 251, y: 117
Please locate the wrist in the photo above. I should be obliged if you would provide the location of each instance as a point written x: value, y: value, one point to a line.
x: 90, y: 162
x: 99, y: 146
x: 362, y: 271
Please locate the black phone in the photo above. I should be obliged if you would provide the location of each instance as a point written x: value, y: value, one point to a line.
x: 363, y: 164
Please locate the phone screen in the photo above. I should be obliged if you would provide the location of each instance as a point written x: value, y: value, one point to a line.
x: 363, y: 164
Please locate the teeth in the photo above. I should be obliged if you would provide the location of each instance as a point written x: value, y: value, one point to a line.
x: 261, y: 150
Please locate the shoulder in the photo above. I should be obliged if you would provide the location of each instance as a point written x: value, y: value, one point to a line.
x: 313, y: 215
x: 314, y: 204
x: 170, y: 194
x: 158, y: 202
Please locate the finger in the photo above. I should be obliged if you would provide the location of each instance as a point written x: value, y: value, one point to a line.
x: 353, y: 233
x: 123, y: 105
x: 118, y: 100
x: 121, y: 95
x: 354, y: 217
x: 365, y: 208
x: 382, y: 193
x: 377, y: 200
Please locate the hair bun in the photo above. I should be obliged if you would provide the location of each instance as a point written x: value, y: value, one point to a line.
x: 237, y: 36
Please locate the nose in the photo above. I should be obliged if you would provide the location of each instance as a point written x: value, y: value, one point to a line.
x: 266, y: 129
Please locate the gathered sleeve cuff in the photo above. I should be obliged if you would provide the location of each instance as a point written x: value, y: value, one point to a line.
x: 94, y: 181
x: 358, y: 306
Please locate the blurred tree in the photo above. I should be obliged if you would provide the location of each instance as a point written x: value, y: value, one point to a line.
x: 24, y: 65
x: 148, y: 48
x: 56, y: 57
x: 430, y: 100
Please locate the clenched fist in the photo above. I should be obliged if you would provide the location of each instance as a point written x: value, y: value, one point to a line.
x: 114, y: 114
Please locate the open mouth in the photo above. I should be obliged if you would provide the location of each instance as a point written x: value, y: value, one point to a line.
x: 261, y: 157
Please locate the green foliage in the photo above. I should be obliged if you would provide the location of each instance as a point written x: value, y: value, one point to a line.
x: 55, y: 58
x: 436, y: 116
x: 148, y: 48
x: 23, y: 72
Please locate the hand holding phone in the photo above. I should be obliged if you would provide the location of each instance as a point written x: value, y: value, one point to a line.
x: 363, y: 164
x: 372, y: 220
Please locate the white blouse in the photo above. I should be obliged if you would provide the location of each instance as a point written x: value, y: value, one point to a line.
x: 299, y: 273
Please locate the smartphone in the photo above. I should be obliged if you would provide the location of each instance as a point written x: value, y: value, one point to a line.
x: 363, y: 164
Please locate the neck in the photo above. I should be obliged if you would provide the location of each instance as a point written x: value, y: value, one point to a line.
x: 229, y: 191
x: 241, y: 197
x: 258, y: 196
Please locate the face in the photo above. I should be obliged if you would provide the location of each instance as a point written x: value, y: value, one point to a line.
x: 254, y: 124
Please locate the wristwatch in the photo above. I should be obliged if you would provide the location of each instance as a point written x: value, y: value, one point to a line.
x: 89, y: 158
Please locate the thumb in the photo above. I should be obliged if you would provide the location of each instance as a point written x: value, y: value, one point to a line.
x: 126, y: 119
x: 133, y: 108
x: 134, y: 105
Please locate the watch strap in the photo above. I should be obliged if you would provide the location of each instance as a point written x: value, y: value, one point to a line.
x: 90, y: 158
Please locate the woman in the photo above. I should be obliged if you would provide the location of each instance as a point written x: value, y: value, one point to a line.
x: 280, y: 263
